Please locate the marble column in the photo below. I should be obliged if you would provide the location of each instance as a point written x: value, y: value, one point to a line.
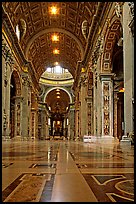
x: 83, y: 115
x: 25, y: 107
x: 35, y: 109
x: 115, y: 115
x: 95, y: 104
x: 7, y: 61
x: 33, y: 124
x: 43, y: 124
x: 107, y: 104
x: 89, y: 116
x: 128, y: 52
x: 76, y: 123
x: 65, y: 126
x: 18, y: 115
x: 71, y: 121
x: 47, y: 127
x: 45, y: 132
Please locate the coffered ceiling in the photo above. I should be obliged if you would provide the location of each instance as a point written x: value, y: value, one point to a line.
x: 39, y: 25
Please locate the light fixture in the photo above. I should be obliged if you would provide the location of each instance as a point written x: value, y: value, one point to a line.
x: 83, y: 70
x: 56, y: 51
x: 58, y: 93
x: 58, y: 96
x: 55, y: 38
x: 122, y: 90
x: 53, y: 10
x: 58, y: 122
x: 56, y: 63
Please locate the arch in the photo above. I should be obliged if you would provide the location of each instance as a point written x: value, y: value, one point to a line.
x: 53, y: 30
x: 114, y: 30
x: 50, y: 89
x: 17, y: 82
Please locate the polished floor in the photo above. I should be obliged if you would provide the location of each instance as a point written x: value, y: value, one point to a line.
x: 67, y: 171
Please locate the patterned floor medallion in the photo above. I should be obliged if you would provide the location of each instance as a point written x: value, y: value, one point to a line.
x: 111, y: 187
x: 29, y: 188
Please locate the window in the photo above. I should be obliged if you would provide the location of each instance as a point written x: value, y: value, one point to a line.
x: 49, y: 69
x: 57, y: 70
x: 18, y: 32
x: 20, y: 29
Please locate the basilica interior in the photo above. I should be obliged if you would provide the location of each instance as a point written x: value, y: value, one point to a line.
x: 67, y: 101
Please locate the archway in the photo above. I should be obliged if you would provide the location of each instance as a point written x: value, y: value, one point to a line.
x: 58, y: 102
x: 118, y: 85
x: 15, y: 92
x: 118, y: 88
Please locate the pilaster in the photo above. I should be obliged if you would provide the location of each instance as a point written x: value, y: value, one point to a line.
x: 83, y: 114
x: 18, y: 116
x: 71, y: 120
x: 25, y: 107
x: 7, y: 62
x: 115, y: 115
x: 128, y: 52
x: 90, y: 115
x: 107, y: 104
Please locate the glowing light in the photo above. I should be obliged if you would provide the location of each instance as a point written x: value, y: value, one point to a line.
x: 83, y: 70
x: 122, y: 90
x: 58, y: 122
x: 55, y: 38
x: 58, y: 96
x: 56, y: 63
x: 53, y: 10
x: 56, y: 51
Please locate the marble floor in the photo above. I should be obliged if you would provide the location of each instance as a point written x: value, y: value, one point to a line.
x: 67, y: 171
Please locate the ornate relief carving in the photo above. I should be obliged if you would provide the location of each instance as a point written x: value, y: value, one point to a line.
x: 8, y: 59
x: 18, y: 119
x: 131, y: 5
x: 118, y: 9
x: 95, y: 78
x: 83, y: 80
x: 7, y: 53
x: 98, y: 49
x: 26, y: 81
x: 90, y: 83
x: 4, y: 120
x: 131, y: 24
x: 107, y: 53
x: 89, y: 119
x: 106, y: 108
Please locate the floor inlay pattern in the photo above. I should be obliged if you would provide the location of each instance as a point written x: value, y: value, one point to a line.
x: 5, y: 165
x: 90, y: 155
x: 106, y: 165
x: 112, y: 187
x: 43, y: 166
x: 29, y: 188
x: 16, y: 154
